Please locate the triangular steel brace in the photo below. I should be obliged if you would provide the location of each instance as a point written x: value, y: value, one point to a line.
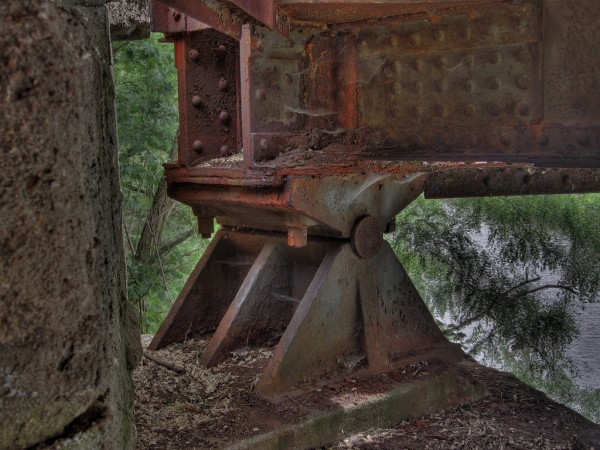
x: 328, y: 305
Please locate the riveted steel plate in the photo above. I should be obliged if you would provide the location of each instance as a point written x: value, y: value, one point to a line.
x: 208, y: 64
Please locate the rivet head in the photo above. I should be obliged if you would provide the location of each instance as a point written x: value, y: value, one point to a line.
x: 415, y: 39
x: 224, y: 117
x: 496, y: 58
x: 223, y: 84
x: 197, y: 101
x: 440, y: 35
x: 583, y: 139
x: 221, y: 50
x: 225, y: 150
x: 505, y: 139
x: 470, y: 110
x: 194, y: 55
x: 197, y: 146
x: 524, y: 109
x: 467, y: 33
x: 418, y: 87
x: 259, y: 95
x: 442, y: 86
x: 418, y: 65
x: 470, y: 86
x: 523, y: 82
x: 439, y: 110
x: 289, y: 79
x: 496, y: 83
x: 494, y: 109
x: 522, y: 55
x: 566, y: 178
x: 471, y: 140
x: 264, y: 144
x: 443, y: 62
x: 543, y: 139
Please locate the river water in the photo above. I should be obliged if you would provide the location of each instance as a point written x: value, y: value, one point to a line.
x: 585, y: 350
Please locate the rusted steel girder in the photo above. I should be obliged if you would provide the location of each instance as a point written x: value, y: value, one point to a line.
x: 456, y: 81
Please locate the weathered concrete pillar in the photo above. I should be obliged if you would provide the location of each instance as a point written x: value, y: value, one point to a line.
x: 68, y: 338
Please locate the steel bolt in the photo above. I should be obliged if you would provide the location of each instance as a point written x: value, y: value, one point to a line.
x: 470, y: 86
x: 194, y: 55
x: 496, y: 83
x: 297, y: 236
x: 197, y: 146
x: 443, y: 62
x: 264, y: 144
x: 366, y: 237
x: 259, y: 95
x: 418, y: 65
x: 505, y: 139
x: 224, y: 117
x: 225, y: 150
x: 440, y: 35
x: 543, y: 139
x: 197, y: 101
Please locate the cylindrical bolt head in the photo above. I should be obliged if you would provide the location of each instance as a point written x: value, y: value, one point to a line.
x: 224, y: 117
x: 225, y: 150
x: 197, y: 101
x: 194, y: 55
x: 197, y: 146
x: 297, y: 237
x: 523, y: 82
x: 221, y: 50
x: 366, y: 237
x: 223, y: 85
x: 505, y: 139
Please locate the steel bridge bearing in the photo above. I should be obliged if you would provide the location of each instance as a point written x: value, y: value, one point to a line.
x: 331, y: 308
x: 342, y: 295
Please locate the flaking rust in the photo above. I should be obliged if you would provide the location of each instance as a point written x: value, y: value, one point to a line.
x: 307, y: 125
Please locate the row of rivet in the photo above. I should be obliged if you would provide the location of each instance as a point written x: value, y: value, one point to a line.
x: 224, y: 117
x: 583, y: 139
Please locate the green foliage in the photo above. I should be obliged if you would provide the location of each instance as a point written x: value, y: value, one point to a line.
x: 507, y: 275
x: 146, y: 93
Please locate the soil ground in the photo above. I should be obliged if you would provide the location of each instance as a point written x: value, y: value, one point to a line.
x: 210, y: 408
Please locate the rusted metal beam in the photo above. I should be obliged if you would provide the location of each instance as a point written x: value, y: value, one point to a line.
x: 483, y: 182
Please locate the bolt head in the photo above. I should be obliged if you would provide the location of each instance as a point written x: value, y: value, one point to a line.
x: 470, y: 110
x: 221, y: 50
x: 194, y: 55
x: 505, y: 139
